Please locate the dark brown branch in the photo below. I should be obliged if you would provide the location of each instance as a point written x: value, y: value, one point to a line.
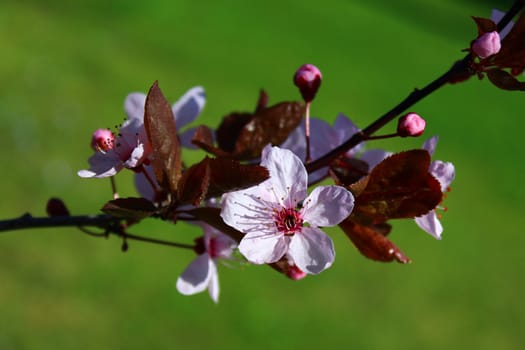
x: 110, y: 224
x: 459, y: 69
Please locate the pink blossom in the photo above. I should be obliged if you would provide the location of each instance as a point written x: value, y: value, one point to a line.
x: 273, y: 215
x: 487, y: 44
x: 128, y: 150
x: 411, y: 124
x: 201, y: 273
x: 444, y: 172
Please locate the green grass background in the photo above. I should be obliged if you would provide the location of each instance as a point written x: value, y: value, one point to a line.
x: 65, y: 69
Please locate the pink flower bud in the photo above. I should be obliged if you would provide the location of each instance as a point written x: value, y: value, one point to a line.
x: 410, y: 124
x: 103, y: 140
x: 295, y: 273
x: 308, y: 79
x: 487, y: 45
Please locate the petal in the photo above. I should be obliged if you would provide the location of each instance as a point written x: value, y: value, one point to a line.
x: 430, y: 224
x: 213, y: 286
x: 143, y: 186
x: 444, y: 172
x: 196, y: 277
x: 288, y: 176
x: 136, y: 157
x: 327, y: 206
x: 312, y: 250
x: 247, y: 211
x: 102, y: 165
x: 263, y: 249
x: 431, y: 144
x: 345, y: 129
x: 189, y: 106
x: 186, y: 137
x: 323, y: 138
x: 134, y: 106
x: 374, y: 157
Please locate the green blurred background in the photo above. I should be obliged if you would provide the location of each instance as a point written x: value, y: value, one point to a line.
x: 66, y: 67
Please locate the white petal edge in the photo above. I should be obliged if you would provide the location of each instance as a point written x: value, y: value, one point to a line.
x: 288, y: 177
x: 312, y: 250
x: 134, y: 105
x: 189, y: 106
x: 444, y: 172
x: 196, y: 277
x: 327, y: 206
x: 263, y: 249
x: 213, y: 286
x: 430, y: 224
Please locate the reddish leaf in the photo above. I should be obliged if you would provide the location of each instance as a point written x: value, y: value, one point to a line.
x: 262, y: 102
x: 229, y: 175
x: 512, y: 52
x: 485, y: 25
x: 372, y: 244
x: 194, y: 183
x: 162, y: 135
x: 505, y: 80
x: 347, y: 171
x: 130, y: 208
x: 270, y: 125
x: 203, y: 138
x: 230, y: 129
x: 212, y: 216
x: 398, y: 187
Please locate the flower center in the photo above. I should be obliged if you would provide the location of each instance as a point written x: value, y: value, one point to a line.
x: 103, y: 140
x: 288, y: 221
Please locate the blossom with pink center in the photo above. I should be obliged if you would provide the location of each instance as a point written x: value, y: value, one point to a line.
x: 444, y: 172
x: 201, y: 273
x: 128, y: 150
x: 273, y: 215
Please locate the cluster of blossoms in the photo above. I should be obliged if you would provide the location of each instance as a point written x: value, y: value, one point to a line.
x: 276, y: 220
x: 257, y: 191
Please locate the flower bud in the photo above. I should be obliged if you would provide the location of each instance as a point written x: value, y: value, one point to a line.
x: 295, y: 273
x: 103, y: 140
x: 487, y: 45
x: 56, y: 207
x: 308, y: 79
x: 410, y: 124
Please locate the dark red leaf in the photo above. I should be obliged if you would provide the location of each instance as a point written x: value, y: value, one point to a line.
x: 229, y: 175
x: 485, y: 25
x: 505, y: 80
x: 398, y: 187
x: 270, y: 125
x: 262, y: 102
x: 194, y: 183
x: 229, y: 130
x: 212, y: 216
x: 372, y: 244
x: 512, y: 52
x: 162, y: 135
x: 130, y: 208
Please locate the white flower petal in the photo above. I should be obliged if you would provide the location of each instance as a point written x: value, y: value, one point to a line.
x: 186, y: 137
x: 136, y: 157
x: 197, y: 276
x: 431, y: 144
x: 213, y: 286
x: 142, y: 184
x: 134, y: 106
x: 430, y: 224
x: 374, y: 157
x: 247, y: 211
x: 288, y: 176
x: 189, y: 106
x: 312, y: 250
x: 444, y: 172
x: 263, y: 248
x: 102, y: 165
x: 327, y: 206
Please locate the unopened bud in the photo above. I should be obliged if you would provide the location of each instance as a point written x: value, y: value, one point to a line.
x: 308, y: 79
x: 56, y: 207
x: 487, y: 45
x: 295, y: 273
x: 103, y: 140
x: 410, y: 124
